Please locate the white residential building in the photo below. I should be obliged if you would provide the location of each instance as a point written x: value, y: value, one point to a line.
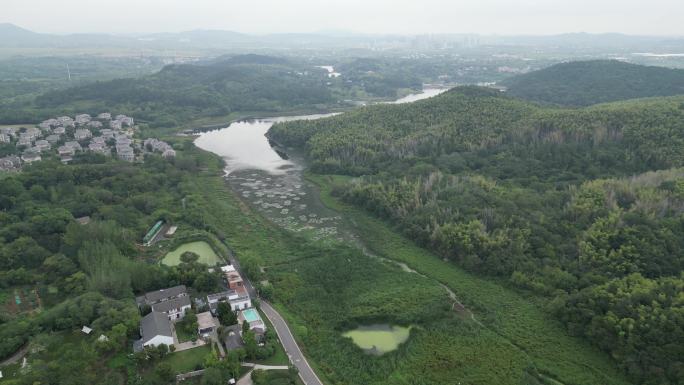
x: 43, y: 145
x: 155, y: 329
x: 82, y: 134
x: 82, y: 119
x: 31, y: 155
x: 74, y: 145
x: 115, y: 124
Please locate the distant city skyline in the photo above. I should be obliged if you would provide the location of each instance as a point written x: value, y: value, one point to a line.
x: 486, y: 17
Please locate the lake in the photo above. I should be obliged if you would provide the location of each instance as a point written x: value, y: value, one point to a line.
x: 378, y: 339
x: 273, y: 183
x: 427, y: 93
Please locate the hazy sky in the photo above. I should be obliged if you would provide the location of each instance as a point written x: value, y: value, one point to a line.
x: 652, y: 17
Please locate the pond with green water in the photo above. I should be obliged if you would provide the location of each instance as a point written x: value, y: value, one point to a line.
x: 380, y: 338
x: 206, y: 253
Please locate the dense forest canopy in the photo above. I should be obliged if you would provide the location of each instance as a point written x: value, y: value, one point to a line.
x: 583, y: 83
x: 583, y: 207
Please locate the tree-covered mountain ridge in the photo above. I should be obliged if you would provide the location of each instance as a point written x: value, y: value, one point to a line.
x: 472, y: 119
x: 583, y: 83
x: 584, y: 207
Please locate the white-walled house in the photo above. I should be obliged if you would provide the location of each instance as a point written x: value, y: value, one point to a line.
x: 237, y: 300
x: 173, y: 301
x: 155, y: 329
x: 173, y: 308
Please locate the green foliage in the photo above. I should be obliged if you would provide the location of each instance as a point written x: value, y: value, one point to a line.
x: 189, y: 257
x: 537, y: 196
x: 182, y: 92
x: 583, y: 83
x: 226, y: 315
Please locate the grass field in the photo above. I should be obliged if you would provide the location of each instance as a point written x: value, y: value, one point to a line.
x: 206, y: 253
x: 187, y: 360
x: 512, y: 317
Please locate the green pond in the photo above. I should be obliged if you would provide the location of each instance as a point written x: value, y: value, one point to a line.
x: 206, y: 254
x: 380, y: 338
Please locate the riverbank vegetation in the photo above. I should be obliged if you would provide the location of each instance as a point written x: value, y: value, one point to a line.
x: 542, y: 199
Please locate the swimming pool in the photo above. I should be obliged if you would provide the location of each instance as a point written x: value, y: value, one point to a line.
x: 251, y: 315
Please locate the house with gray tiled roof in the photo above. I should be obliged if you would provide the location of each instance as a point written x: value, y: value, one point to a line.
x: 155, y: 330
x: 82, y: 134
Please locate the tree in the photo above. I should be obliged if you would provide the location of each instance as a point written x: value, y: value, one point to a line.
x: 250, y: 344
x: 226, y: 315
x: 164, y: 372
x: 189, y: 257
x: 213, y: 376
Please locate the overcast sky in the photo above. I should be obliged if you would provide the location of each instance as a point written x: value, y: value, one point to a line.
x: 650, y: 17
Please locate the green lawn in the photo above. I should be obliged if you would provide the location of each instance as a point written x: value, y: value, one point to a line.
x: 206, y: 253
x: 279, y: 357
x: 182, y: 335
x: 187, y: 360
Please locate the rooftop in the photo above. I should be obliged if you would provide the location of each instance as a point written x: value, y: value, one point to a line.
x: 205, y: 321
x: 155, y: 324
x: 156, y: 296
x: 176, y: 303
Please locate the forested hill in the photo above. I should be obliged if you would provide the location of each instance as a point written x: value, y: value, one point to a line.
x: 584, y: 83
x: 545, y: 198
x: 179, y: 93
x: 482, y: 130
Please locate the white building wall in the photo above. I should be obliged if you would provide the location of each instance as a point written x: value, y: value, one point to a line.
x: 240, y: 305
x: 160, y: 340
x: 173, y: 314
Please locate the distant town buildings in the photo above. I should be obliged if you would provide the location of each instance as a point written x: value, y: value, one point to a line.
x: 66, y: 137
x: 10, y: 163
x: 82, y: 134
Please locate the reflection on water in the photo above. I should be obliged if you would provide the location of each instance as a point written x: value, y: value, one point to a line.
x: 427, y: 93
x: 244, y: 145
x: 273, y: 183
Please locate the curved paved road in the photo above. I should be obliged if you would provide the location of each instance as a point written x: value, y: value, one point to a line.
x: 306, y: 373
x: 295, y: 354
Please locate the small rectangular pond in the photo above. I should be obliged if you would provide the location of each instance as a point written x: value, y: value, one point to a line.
x: 206, y: 253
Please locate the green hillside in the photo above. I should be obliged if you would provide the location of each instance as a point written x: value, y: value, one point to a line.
x: 584, y: 83
x: 543, y: 198
x: 183, y: 92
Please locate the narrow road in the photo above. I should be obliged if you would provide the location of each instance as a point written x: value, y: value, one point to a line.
x: 295, y: 354
x: 306, y: 373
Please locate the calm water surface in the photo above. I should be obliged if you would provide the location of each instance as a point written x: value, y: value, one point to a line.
x: 273, y: 185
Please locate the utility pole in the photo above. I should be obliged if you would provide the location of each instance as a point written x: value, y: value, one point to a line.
x: 68, y: 72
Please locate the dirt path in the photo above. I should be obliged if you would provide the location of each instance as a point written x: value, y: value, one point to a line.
x: 16, y: 356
